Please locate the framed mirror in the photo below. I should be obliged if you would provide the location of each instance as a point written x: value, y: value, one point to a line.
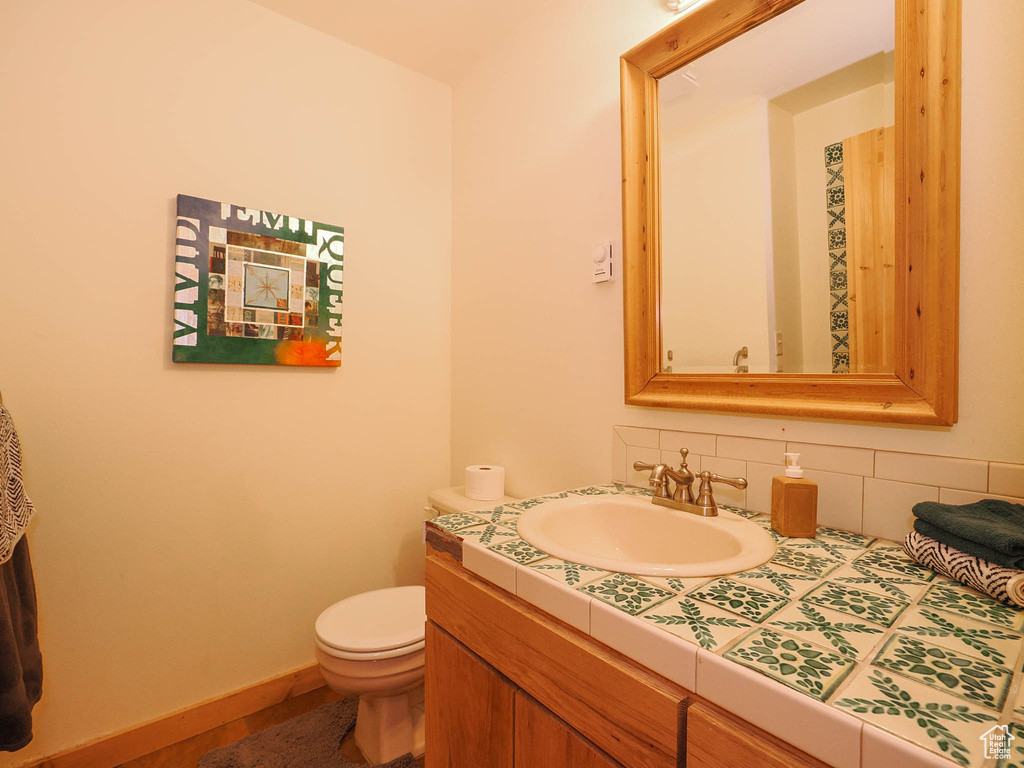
x: 791, y: 210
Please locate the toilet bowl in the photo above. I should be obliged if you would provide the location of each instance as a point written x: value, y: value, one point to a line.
x: 371, y: 645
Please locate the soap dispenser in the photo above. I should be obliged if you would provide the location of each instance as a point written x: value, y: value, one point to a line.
x: 794, y: 502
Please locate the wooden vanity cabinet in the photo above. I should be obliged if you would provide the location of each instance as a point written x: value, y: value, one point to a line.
x: 470, y: 707
x: 508, y: 686
x: 476, y: 717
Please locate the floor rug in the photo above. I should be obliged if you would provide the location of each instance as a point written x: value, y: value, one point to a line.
x: 311, y: 740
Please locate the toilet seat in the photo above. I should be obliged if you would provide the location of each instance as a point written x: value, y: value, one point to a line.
x: 382, y: 624
x: 390, y: 653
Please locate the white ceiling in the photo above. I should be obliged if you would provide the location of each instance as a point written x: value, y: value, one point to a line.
x: 806, y: 43
x: 439, y: 38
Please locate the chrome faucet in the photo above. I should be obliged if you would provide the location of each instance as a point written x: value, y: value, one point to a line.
x: 682, y: 497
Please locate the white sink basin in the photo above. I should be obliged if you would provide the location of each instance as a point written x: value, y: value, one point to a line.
x: 632, y: 535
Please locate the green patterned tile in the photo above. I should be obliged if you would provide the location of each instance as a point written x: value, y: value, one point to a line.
x: 892, y: 559
x: 837, y: 550
x: 456, y: 521
x: 830, y: 629
x: 1018, y: 704
x: 816, y: 565
x: 778, y: 579
x: 973, y: 638
x: 627, y: 593
x: 677, y: 583
x: 1009, y: 751
x: 803, y: 666
x: 967, y: 602
x: 856, y: 602
x: 528, y: 504
x: 519, y: 550
x: 922, y: 715
x: 777, y: 537
x: 627, y: 490
x: 847, y: 537
x: 766, y: 522
x: 487, y: 534
x: 949, y: 671
x: 888, y: 584
x: 697, y: 622
x: 568, y: 573
x: 747, y: 513
x: 745, y: 599
x: 592, y: 490
x: 498, y: 514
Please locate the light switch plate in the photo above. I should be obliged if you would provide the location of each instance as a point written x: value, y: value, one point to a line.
x: 603, y: 262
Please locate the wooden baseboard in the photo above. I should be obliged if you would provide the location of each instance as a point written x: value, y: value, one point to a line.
x: 111, y: 751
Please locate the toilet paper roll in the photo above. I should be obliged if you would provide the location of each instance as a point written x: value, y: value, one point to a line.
x: 485, y: 482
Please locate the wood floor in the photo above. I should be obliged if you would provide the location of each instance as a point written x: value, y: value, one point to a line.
x: 186, y: 754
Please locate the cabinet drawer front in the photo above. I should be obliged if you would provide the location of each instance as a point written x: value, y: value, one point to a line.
x: 543, y: 741
x: 629, y: 713
x: 470, y: 708
x: 715, y: 739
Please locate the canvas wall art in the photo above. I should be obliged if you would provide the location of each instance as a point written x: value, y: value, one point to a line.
x: 253, y: 286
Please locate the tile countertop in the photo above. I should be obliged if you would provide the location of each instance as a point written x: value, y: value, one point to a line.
x: 840, y: 645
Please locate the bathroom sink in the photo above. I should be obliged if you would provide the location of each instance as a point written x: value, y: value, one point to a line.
x: 632, y: 535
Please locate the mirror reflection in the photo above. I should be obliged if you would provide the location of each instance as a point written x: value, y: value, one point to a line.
x: 777, y: 208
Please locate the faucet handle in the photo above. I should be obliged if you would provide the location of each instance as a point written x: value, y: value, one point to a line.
x: 706, y: 495
x: 684, y: 452
x: 735, y: 482
x: 640, y: 466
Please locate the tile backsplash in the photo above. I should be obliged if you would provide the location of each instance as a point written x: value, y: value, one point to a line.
x: 859, y: 489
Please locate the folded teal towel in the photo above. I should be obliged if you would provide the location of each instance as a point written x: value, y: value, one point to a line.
x: 967, y: 546
x: 990, y: 529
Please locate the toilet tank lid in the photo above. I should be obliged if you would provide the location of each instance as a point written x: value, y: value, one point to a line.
x: 374, y: 621
x: 448, y: 500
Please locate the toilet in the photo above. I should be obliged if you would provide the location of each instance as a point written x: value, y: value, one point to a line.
x: 371, y: 645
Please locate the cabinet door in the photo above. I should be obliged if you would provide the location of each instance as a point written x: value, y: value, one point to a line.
x: 470, y: 708
x: 715, y: 739
x: 544, y: 741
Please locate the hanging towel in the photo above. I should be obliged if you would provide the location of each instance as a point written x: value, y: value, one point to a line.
x: 16, y: 508
x: 990, y: 529
x: 21, y: 666
x: 1006, y: 584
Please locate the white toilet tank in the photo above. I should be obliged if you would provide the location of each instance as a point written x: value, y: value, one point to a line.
x: 444, y: 501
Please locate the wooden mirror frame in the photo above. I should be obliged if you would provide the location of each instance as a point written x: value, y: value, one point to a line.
x: 923, y: 388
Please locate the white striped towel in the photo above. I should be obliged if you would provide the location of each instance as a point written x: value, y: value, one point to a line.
x: 16, y: 508
x: 1006, y: 584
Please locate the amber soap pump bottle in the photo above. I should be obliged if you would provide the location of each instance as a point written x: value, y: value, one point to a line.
x: 794, y: 502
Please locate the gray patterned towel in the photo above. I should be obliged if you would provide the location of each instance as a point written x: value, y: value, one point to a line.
x: 1006, y: 584
x: 16, y: 508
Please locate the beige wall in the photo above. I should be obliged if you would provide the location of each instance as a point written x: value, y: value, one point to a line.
x: 537, y: 349
x: 713, y: 236
x: 193, y: 520
x: 785, y: 238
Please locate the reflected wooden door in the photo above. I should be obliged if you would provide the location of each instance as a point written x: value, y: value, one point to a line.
x: 869, y: 166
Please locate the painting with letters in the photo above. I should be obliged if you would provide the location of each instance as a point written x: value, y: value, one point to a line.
x: 253, y: 286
